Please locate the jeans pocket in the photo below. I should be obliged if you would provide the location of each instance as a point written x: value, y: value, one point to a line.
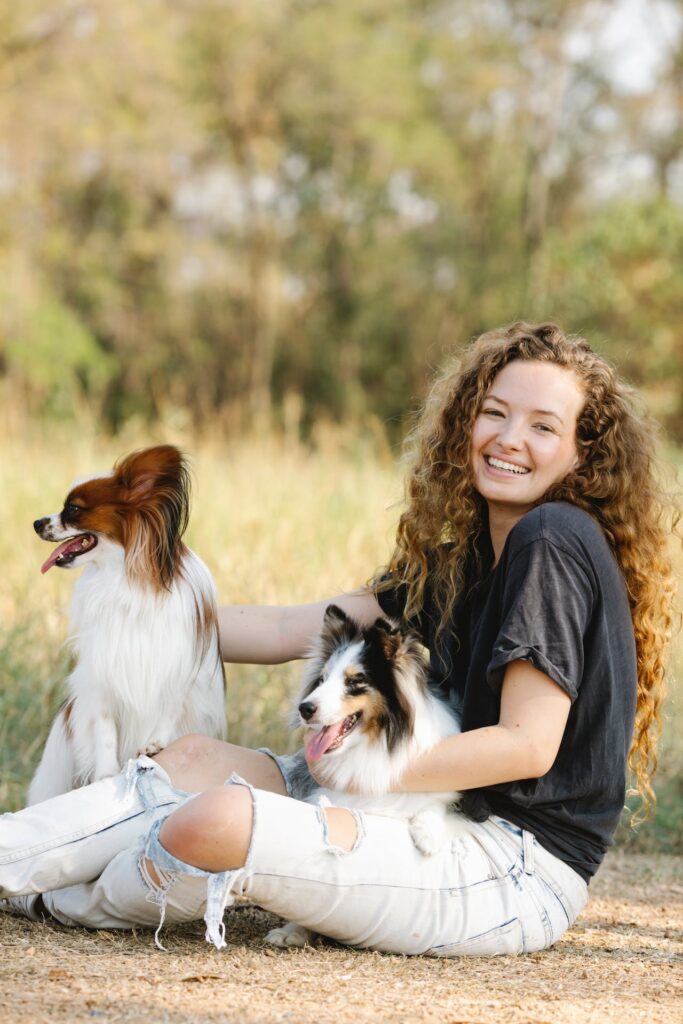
x: 504, y: 940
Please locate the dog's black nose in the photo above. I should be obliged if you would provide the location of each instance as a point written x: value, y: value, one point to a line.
x: 307, y: 709
x: 38, y: 524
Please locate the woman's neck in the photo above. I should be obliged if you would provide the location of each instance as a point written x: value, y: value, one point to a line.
x: 501, y: 521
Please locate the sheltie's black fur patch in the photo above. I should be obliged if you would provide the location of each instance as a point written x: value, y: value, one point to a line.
x: 387, y: 656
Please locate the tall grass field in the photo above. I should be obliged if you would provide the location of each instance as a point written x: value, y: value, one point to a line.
x: 276, y: 522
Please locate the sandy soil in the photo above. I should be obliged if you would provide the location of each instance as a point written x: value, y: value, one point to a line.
x: 623, y: 962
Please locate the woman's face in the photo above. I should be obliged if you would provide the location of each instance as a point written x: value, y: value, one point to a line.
x: 524, y: 437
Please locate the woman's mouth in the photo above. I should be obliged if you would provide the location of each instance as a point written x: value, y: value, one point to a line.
x: 503, y: 466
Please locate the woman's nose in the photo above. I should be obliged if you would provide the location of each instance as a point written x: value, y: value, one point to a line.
x: 511, y: 434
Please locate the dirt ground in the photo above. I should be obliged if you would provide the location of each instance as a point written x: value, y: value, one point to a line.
x: 621, y: 963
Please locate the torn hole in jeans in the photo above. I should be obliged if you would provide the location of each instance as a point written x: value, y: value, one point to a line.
x: 336, y: 832
x: 159, y: 884
x: 160, y: 870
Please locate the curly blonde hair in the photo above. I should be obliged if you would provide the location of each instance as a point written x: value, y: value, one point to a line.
x: 614, y: 481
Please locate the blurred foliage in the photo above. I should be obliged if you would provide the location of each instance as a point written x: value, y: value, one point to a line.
x: 294, y: 207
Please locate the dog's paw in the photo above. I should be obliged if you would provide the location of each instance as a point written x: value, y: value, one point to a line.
x: 289, y: 935
x: 427, y: 833
x: 150, y: 750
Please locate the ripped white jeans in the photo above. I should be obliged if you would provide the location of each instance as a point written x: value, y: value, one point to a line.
x: 491, y: 890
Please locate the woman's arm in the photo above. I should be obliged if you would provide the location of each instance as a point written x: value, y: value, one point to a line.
x: 272, y: 634
x: 523, y: 745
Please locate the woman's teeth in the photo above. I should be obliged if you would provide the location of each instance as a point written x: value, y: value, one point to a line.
x: 508, y: 466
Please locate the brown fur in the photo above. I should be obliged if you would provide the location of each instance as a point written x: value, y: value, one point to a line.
x: 144, y: 506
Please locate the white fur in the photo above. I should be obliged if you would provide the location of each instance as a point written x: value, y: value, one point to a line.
x: 143, y: 677
x: 372, y: 769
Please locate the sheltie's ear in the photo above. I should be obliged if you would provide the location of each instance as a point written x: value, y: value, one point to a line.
x: 388, y: 636
x: 399, y: 645
x: 390, y: 643
x: 338, y: 630
x: 334, y: 616
x: 387, y: 627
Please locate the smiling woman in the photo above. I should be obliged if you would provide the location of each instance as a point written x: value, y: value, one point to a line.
x: 518, y: 450
x: 531, y: 564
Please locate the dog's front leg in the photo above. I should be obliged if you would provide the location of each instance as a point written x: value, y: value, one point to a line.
x: 428, y: 829
x: 150, y: 749
x: 106, y: 747
x: 290, y: 935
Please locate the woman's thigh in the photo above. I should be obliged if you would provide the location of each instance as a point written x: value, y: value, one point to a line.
x: 195, y: 763
x: 383, y: 893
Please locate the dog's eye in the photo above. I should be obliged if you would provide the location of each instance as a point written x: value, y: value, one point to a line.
x: 356, y: 684
x: 72, y: 510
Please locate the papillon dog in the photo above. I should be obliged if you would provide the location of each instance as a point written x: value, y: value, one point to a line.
x: 143, y: 623
x: 367, y: 713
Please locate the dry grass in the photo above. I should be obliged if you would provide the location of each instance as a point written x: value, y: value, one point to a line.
x: 275, y: 522
x: 620, y: 964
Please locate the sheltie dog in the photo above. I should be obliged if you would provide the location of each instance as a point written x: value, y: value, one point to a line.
x: 367, y: 713
x: 143, y: 622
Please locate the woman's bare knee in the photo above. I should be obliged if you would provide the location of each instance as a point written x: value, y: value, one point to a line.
x: 342, y: 828
x: 213, y: 830
x: 184, y: 753
x: 195, y: 763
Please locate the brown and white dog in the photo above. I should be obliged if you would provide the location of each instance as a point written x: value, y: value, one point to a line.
x: 143, y: 622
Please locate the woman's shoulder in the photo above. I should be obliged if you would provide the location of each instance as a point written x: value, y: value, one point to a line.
x: 562, y: 525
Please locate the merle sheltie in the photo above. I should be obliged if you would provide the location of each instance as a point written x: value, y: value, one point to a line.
x: 368, y: 712
x: 143, y: 622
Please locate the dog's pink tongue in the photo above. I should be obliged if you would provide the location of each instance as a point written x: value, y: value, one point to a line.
x: 322, y: 741
x: 60, y: 549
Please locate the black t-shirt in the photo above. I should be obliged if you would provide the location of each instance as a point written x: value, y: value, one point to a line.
x: 556, y: 599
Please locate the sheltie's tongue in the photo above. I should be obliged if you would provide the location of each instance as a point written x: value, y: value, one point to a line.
x: 68, y: 549
x: 323, y: 740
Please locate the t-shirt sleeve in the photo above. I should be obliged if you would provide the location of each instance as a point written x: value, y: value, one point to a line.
x: 546, y: 606
x: 391, y: 600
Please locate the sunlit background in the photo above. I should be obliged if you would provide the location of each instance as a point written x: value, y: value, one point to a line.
x: 255, y: 227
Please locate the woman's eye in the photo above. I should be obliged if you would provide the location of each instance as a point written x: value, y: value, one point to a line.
x: 544, y: 427
x: 492, y: 412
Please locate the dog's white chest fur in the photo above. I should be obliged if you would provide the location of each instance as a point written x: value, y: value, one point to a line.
x: 148, y: 671
x: 379, y: 769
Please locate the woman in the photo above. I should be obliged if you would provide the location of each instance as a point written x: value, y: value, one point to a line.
x: 532, y: 559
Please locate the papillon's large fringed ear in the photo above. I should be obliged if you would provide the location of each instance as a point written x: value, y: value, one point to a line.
x: 155, y: 483
x: 143, y: 471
